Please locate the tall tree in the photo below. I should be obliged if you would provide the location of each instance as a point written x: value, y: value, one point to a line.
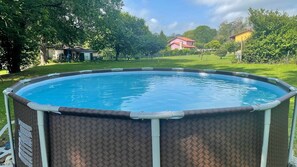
x: 163, y: 38
x: 152, y: 43
x: 123, y: 34
x: 202, y: 34
x: 214, y: 44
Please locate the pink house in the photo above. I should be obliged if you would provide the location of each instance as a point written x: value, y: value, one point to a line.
x: 181, y: 43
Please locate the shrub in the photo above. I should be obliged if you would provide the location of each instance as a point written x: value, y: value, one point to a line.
x: 222, y: 52
x: 168, y: 52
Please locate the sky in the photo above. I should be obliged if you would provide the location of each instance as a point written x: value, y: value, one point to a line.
x: 178, y: 16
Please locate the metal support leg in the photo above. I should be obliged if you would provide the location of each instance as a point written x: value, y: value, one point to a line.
x: 267, y: 121
x: 40, y: 120
x: 292, y: 136
x: 155, y: 125
x: 6, y: 101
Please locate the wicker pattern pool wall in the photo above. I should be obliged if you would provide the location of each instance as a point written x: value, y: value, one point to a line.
x: 198, y: 138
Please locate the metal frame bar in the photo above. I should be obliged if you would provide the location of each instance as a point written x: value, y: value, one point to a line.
x: 2, y: 149
x: 155, y: 127
x: 42, y: 142
x: 292, y: 136
x: 267, y: 122
x: 8, y: 117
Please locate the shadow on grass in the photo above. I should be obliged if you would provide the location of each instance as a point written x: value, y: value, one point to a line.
x: 291, y: 77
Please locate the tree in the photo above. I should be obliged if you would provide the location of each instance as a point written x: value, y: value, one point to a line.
x: 214, y: 44
x: 231, y: 46
x: 153, y: 43
x: 28, y: 26
x: 202, y: 34
x: 163, y: 37
x: 222, y: 52
x: 125, y: 34
x: 274, y: 37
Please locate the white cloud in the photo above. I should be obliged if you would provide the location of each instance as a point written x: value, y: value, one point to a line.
x: 221, y: 10
x: 173, y: 25
x: 156, y: 26
x: 153, y: 20
x: 153, y: 24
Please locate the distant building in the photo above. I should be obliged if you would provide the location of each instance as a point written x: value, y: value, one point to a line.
x: 74, y: 54
x: 240, y: 37
x: 181, y: 43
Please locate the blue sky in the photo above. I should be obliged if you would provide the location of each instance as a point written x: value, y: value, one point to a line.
x: 178, y: 16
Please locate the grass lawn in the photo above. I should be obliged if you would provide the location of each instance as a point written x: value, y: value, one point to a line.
x: 2, y: 72
x: 286, y: 72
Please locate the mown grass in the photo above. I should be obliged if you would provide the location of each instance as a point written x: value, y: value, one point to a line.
x: 286, y: 72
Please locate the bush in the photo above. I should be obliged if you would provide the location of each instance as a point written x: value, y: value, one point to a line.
x: 107, y: 53
x: 176, y: 52
x: 274, y: 39
x: 231, y: 46
x: 222, y: 52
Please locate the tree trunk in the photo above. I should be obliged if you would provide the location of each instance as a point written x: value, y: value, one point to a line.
x: 12, y: 54
x: 16, y: 58
x: 43, y: 54
x: 117, y: 53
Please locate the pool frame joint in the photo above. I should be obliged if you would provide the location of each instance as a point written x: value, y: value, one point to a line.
x: 7, y: 91
x: 86, y: 71
x: 117, y: 69
x: 147, y: 68
x: 273, y: 80
x: 241, y: 74
x: 177, y: 69
x: 266, y: 106
x: 25, y: 81
x: 53, y: 74
x: 41, y: 107
x: 157, y: 115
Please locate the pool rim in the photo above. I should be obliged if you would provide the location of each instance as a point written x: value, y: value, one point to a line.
x: 11, y: 91
x: 155, y: 119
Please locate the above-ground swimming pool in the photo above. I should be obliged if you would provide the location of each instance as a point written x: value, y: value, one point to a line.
x: 151, y: 117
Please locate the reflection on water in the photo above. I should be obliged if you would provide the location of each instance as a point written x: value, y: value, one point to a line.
x: 151, y: 91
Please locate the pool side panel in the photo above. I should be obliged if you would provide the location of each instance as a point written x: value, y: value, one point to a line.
x: 26, y: 132
x: 88, y: 141
x: 278, y: 138
x: 229, y: 139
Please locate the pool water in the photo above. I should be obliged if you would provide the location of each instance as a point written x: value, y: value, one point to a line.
x: 151, y: 91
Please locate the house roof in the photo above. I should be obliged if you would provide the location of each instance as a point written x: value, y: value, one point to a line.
x: 182, y: 38
x: 80, y: 49
x: 183, y: 45
x: 76, y: 49
x: 233, y: 36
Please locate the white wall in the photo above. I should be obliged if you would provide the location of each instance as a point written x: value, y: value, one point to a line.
x: 87, y: 56
x: 57, y: 53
